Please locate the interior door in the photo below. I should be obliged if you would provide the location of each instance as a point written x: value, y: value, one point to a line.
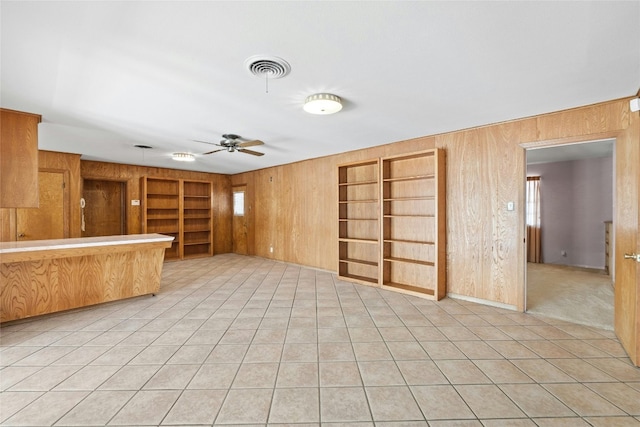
x: 104, y: 208
x: 46, y: 221
x: 239, y: 220
x: 626, y: 225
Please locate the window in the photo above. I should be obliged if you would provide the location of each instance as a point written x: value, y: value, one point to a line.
x: 238, y: 203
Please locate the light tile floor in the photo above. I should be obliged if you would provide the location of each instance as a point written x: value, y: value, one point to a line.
x: 243, y: 340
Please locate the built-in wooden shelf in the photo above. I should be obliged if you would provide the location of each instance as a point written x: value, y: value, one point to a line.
x: 182, y: 209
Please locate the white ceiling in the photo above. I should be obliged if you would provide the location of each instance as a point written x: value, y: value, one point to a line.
x: 109, y: 75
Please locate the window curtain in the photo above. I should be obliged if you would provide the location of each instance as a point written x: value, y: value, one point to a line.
x: 534, y: 246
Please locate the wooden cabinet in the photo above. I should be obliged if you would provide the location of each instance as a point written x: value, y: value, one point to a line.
x: 358, y: 223
x: 391, y: 222
x: 413, y: 223
x: 18, y: 159
x: 181, y: 209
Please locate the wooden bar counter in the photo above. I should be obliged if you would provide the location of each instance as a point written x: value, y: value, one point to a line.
x: 45, y: 276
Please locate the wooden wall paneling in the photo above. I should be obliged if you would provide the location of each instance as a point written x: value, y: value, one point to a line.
x: 18, y: 159
x: 70, y: 164
x: 465, y: 212
x: 131, y: 174
x: 583, y: 121
x: 503, y: 178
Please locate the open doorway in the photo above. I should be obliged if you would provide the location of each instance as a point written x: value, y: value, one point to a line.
x: 103, y: 208
x: 569, y: 269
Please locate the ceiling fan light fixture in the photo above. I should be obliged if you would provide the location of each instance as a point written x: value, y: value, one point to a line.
x: 322, y: 103
x: 183, y: 157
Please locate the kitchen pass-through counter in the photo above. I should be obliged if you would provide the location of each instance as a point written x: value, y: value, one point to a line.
x: 45, y: 276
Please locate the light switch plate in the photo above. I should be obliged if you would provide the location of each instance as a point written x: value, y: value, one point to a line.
x: 509, y: 206
x: 135, y: 202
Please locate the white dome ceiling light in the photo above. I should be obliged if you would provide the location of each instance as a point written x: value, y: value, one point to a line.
x: 322, y: 103
x: 183, y: 157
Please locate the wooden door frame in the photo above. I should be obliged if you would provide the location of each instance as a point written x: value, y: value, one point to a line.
x: 125, y: 197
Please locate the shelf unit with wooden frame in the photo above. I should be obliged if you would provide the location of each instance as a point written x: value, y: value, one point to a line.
x: 413, y: 224
x: 181, y: 209
x: 358, y: 222
x: 197, y: 239
x: 161, y: 211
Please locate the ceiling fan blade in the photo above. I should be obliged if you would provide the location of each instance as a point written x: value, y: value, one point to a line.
x: 205, y: 142
x: 253, y: 153
x: 214, y: 151
x: 250, y: 143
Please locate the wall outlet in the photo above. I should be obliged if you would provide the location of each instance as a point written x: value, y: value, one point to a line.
x: 563, y: 253
x: 510, y: 206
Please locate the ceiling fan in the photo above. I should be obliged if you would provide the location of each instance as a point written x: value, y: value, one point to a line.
x: 231, y: 142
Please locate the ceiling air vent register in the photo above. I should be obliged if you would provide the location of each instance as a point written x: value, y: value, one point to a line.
x: 270, y: 67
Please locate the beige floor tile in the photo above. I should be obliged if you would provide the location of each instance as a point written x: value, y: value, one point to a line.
x: 87, y: 378
x: 621, y: 395
x: 581, y: 370
x: 47, y: 409
x: 300, y: 353
x: 488, y: 333
x: 458, y: 333
x: 502, y: 371
x: 12, y: 402
x: 295, y: 405
x: 400, y: 333
x: 547, y: 350
x: 269, y: 336
x: 302, y: 335
x: 233, y: 353
x: 214, y: 376
x: 118, y: 355
x: 256, y: 375
x: 442, y: 350
x: 441, y: 402
x: 330, y: 352
x: 380, y: 373
x: 261, y: 353
x: 609, y: 346
x: 45, y: 356
x: 421, y: 372
x: 97, y: 409
x: 580, y: 348
x: 154, y: 355
x: 298, y: 375
x: 612, y: 421
x: 477, y: 350
x: 512, y: 350
x: 195, y: 407
x: 488, y: 401
x: 172, y: 377
x: 535, y: 401
x: 11, y: 355
x: 427, y: 333
x: 403, y: 350
x: 137, y: 411
x: 364, y: 335
x: 344, y: 404
x: 14, y: 374
x: 542, y: 371
x: 462, y: 372
x: 561, y: 422
x: 455, y: 423
x: 393, y: 404
x: 190, y: 354
x: 237, y: 336
x: 339, y: 374
x: 130, y: 377
x: 582, y: 401
x: 371, y: 351
x: 333, y: 335
x: 620, y: 369
x: 245, y: 406
x: 46, y: 378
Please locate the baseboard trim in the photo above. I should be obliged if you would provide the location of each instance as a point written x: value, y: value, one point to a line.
x: 483, y: 301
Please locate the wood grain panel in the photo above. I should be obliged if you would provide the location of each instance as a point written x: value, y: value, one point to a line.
x: 58, y: 282
x: 104, y: 209
x: 131, y: 174
x: 18, y: 159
